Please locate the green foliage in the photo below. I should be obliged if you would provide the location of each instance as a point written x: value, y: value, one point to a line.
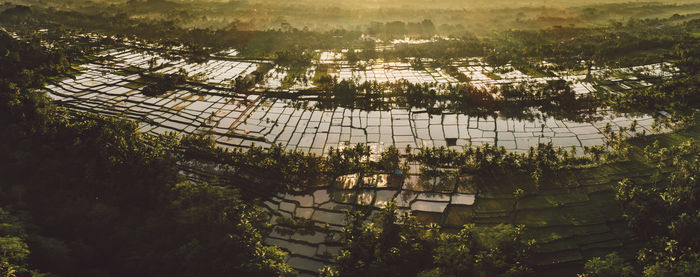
x: 294, y: 57
x: 217, y: 234
x: 483, y: 251
x: 608, y: 266
x: 541, y: 164
x: 103, y: 199
x: 166, y: 227
x: 162, y: 83
x: 554, y: 97
x: 667, y: 206
x: 669, y: 259
x: 618, y: 44
x: 14, y: 251
x: 688, y: 53
x: 678, y: 96
x: 664, y: 213
x: 27, y: 63
x: 348, y: 160
x: 397, y: 245
x: 391, y: 246
x: 390, y: 160
x: 463, y: 46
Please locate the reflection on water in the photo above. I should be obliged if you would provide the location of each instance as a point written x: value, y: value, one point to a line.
x: 238, y: 120
x: 315, y: 236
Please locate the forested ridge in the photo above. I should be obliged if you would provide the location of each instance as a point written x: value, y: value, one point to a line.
x: 86, y: 195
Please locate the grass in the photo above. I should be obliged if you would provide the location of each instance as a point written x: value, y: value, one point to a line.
x: 427, y: 217
x: 544, y: 201
x: 531, y: 71
x: 559, y: 257
x: 455, y: 216
x: 554, y: 233
x: 485, y: 205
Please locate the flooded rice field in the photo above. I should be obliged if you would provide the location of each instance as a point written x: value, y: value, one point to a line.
x: 243, y: 120
x: 315, y: 244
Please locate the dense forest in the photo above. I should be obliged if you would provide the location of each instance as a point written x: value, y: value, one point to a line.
x: 86, y: 195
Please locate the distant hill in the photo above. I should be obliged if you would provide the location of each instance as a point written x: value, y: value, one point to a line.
x: 16, y: 14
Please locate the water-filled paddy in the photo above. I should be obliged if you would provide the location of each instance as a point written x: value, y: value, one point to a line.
x: 243, y: 120
x: 237, y: 120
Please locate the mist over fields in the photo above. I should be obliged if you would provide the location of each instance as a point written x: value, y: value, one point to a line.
x: 449, y: 17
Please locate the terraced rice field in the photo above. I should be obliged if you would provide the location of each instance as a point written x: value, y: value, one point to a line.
x: 562, y: 219
x: 326, y: 208
x: 238, y: 120
x: 571, y: 222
